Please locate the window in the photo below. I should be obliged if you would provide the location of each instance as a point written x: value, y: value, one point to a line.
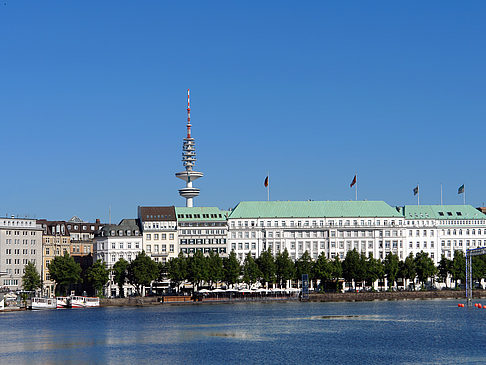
x: 149, y: 237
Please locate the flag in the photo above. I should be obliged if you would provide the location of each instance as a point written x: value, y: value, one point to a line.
x: 461, y: 189
x: 353, y: 182
x: 415, y: 190
x: 266, y: 182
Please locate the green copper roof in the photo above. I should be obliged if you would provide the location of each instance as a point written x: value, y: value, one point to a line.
x: 447, y: 212
x: 313, y: 209
x: 200, y: 214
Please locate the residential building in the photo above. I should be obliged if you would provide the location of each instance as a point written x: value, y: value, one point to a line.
x: 159, y: 228
x: 202, y: 229
x: 20, y: 243
x: 82, y: 235
x: 116, y: 241
x: 56, y: 241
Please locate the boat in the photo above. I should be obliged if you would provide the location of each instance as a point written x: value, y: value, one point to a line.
x: 77, y: 302
x: 43, y: 303
x: 62, y: 302
x: 92, y: 302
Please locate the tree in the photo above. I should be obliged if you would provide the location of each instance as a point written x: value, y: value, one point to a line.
x: 285, y: 269
x: 304, y: 266
x: 407, y: 268
x: 444, y: 269
x: 231, y: 269
x: 120, y: 271
x: 458, y: 270
x: 323, y: 269
x: 266, y: 264
x: 391, y: 267
x: 98, y: 275
x: 197, y: 269
x: 65, y: 272
x: 215, y: 267
x: 31, y: 279
x: 251, y: 272
x: 374, y: 269
x: 424, y: 266
x: 177, y: 269
x: 353, y: 267
x: 142, y: 271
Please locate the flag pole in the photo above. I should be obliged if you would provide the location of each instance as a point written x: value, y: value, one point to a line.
x: 418, y: 194
x: 268, y: 187
x: 440, y: 194
x: 464, y: 194
x: 356, y: 189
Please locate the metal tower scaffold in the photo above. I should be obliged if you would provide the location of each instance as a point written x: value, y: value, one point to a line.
x: 188, y: 161
x: 469, y: 281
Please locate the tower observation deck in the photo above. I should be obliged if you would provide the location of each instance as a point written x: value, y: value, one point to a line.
x: 188, y: 161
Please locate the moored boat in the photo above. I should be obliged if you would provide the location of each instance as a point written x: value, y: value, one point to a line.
x: 62, y: 302
x: 43, y: 303
x: 92, y: 302
x: 77, y: 302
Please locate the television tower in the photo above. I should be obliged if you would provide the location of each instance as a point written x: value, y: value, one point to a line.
x: 188, y: 161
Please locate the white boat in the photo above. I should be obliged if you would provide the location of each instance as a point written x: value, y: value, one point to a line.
x: 62, y: 302
x: 77, y: 302
x: 92, y: 302
x: 43, y: 303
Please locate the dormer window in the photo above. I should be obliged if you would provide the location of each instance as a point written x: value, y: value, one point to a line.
x: 449, y: 214
x: 458, y: 213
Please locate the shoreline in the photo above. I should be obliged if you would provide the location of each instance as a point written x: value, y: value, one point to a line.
x: 315, y: 297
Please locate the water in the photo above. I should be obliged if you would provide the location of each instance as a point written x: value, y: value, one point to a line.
x: 401, y: 332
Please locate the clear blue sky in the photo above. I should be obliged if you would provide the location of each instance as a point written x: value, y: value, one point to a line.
x: 93, y: 99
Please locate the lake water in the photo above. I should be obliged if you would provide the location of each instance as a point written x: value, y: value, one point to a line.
x: 398, y: 332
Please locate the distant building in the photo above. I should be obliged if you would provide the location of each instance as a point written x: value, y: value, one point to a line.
x: 56, y: 241
x: 20, y: 243
x: 82, y: 234
x: 116, y: 241
x: 159, y: 227
x: 202, y: 229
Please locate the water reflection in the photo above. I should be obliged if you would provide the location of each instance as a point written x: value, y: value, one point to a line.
x: 365, y: 333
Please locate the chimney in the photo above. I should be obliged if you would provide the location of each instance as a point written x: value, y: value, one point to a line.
x: 97, y: 221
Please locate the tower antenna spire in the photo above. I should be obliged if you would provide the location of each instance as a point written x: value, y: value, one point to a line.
x: 188, y: 115
x: 188, y: 161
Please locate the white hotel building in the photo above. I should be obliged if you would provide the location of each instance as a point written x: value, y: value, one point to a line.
x: 370, y: 227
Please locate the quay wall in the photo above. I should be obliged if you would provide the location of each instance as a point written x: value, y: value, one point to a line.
x: 315, y: 297
x: 405, y: 295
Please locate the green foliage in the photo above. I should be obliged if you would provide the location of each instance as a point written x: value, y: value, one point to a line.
x: 354, y: 267
x: 142, y: 271
x: 304, y: 265
x: 391, y: 266
x: 215, y: 267
x: 266, y: 264
x: 65, y: 272
x: 251, y: 272
x: 374, y: 269
x: 197, y: 269
x: 98, y: 275
x: 31, y: 279
x: 458, y: 270
x: 424, y: 266
x: 177, y: 270
x: 407, y: 268
x: 444, y: 269
x: 120, y: 272
x: 285, y: 269
x: 231, y: 269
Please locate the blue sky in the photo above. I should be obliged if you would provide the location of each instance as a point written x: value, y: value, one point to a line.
x: 93, y: 99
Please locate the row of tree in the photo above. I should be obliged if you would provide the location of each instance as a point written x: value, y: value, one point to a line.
x: 356, y: 268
